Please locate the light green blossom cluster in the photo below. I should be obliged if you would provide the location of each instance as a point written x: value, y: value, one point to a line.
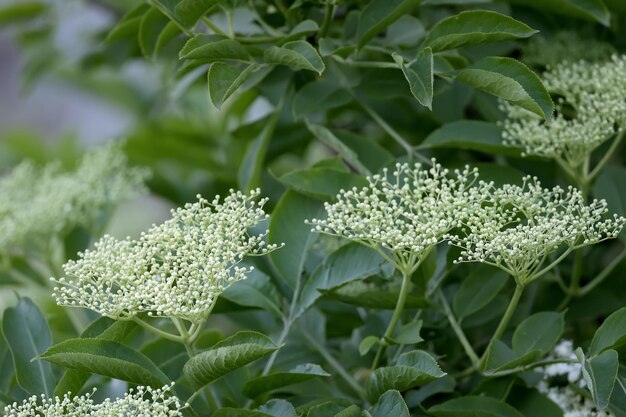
x: 564, y: 46
x: 176, y: 269
x: 140, y: 402
x: 37, y: 203
x: 404, y: 214
x: 518, y: 227
x: 591, y: 110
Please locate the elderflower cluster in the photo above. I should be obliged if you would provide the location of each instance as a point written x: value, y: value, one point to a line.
x: 37, y: 203
x: 569, y: 46
x: 520, y: 226
x: 175, y: 269
x: 568, y: 397
x: 140, y: 402
x: 591, y: 110
x: 405, y: 213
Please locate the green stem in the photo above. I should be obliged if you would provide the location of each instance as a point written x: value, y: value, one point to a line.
x: 191, y: 352
x: 281, y: 7
x: 602, y: 275
x: 469, y: 350
x: 336, y: 365
x: 365, y: 64
x: 387, y: 128
x: 508, y: 314
x: 329, y: 12
x: 231, y: 29
x: 158, y: 332
x: 213, y: 26
x: 552, y: 265
x: 607, y: 156
x: 395, y: 318
x: 157, y: 5
x: 504, y: 322
x: 531, y: 366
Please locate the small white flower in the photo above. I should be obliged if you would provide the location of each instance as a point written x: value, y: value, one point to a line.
x: 590, y: 111
x: 138, y: 402
x: 176, y: 269
x: 518, y: 227
x: 405, y: 213
x: 569, y: 398
x: 38, y: 203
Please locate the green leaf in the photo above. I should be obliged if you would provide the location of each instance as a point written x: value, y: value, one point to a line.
x: 475, y: 135
x: 190, y: 11
x: 541, y: 332
x: 370, y: 155
x: 379, y: 14
x: 278, y: 408
x: 611, y: 186
x: 238, y: 412
x: 227, y: 355
x: 390, y: 404
x: 611, y: 334
x: 600, y: 373
x: 150, y: 28
x: 372, y: 295
x: 412, y: 369
x: 20, y: 11
x: 212, y: 48
x: 129, y: 24
x: 475, y: 27
x: 407, y: 334
x: 321, y: 182
x: 104, y: 357
x: 348, y: 263
x: 328, y: 137
x: 257, y: 290
x: 251, y: 168
x: 478, y: 290
x: 287, y: 225
x: 103, y: 328
x: 276, y: 380
x: 367, y: 344
x: 319, y: 96
x: 500, y: 357
x: 297, y: 55
x: 225, y: 79
x: 419, y: 75
x: 510, y: 80
x: 474, y: 407
x: 27, y: 335
x: 532, y: 403
x: 351, y: 411
x: 594, y: 10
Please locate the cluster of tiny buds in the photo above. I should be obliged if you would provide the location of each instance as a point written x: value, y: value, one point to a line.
x: 518, y: 227
x: 175, y: 269
x: 39, y: 203
x: 512, y: 227
x: 590, y: 111
x: 404, y: 213
x: 138, y: 402
x: 568, y: 397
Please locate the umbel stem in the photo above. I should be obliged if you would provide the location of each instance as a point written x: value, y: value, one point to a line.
x: 404, y: 292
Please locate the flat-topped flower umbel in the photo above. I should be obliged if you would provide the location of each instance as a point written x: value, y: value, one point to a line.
x: 518, y: 227
x: 138, y: 402
x: 591, y: 110
x: 176, y: 269
x: 38, y: 203
x: 405, y: 214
